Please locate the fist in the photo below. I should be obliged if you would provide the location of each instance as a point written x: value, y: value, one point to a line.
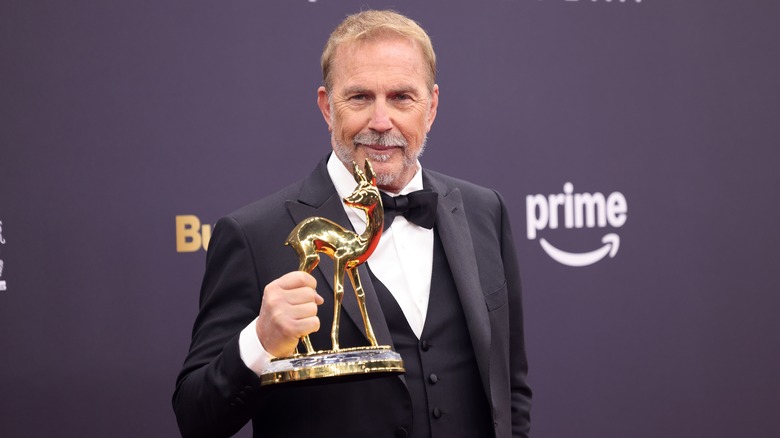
x: 288, y: 311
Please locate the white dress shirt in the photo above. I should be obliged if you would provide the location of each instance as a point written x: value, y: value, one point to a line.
x: 403, y: 262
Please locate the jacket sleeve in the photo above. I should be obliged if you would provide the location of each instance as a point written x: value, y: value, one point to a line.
x: 216, y: 394
x: 520, y: 391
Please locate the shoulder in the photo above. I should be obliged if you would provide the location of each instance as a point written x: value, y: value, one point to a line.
x: 314, y: 189
x: 259, y: 223
x: 472, y: 194
x: 267, y: 208
x: 483, y: 207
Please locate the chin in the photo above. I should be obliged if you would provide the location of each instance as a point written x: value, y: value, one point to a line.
x: 384, y: 169
x: 389, y: 178
x: 386, y: 179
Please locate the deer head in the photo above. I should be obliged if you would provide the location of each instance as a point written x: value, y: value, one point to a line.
x: 366, y: 194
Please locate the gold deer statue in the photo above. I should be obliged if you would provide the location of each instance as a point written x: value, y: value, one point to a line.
x: 347, y: 249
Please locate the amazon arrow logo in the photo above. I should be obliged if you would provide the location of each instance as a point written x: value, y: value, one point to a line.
x: 579, y: 210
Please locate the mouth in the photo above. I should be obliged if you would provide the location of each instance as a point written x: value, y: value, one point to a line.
x: 378, y: 143
x: 378, y: 147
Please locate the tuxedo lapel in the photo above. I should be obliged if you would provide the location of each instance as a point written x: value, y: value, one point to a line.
x: 456, y: 240
x: 318, y: 197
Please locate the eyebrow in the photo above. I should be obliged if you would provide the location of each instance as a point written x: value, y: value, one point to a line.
x: 403, y: 89
x: 356, y: 90
x: 406, y: 89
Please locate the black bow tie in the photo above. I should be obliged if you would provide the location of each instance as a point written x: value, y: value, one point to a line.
x: 417, y: 207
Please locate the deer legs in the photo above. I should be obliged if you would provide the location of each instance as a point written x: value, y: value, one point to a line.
x: 354, y: 277
x: 361, y: 299
x: 338, y: 294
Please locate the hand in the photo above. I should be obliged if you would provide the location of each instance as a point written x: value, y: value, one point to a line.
x: 288, y: 311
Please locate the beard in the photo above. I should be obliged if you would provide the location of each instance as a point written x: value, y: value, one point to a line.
x: 346, y: 154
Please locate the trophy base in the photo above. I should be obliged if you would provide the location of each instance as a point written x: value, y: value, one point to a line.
x: 324, y: 364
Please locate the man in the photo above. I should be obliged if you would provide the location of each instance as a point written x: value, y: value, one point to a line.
x: 446, y: 295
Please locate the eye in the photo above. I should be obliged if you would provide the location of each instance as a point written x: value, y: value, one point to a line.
x: 358, y: 97
x: 402, y: 97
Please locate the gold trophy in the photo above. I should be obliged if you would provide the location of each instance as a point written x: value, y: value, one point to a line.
x: 348, y: 250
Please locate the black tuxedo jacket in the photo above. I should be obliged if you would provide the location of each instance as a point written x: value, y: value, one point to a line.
x: 216, y: 394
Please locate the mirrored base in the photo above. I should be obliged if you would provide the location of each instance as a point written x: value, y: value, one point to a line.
x: 325, y: 364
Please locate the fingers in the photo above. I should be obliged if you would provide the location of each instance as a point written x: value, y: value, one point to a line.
x: 296, y: 279
x: 298, y: 288
x: 288, y: 311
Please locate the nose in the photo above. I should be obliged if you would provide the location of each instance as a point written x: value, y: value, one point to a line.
x: 380, y: 117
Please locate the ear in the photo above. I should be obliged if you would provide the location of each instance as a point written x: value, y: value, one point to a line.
x: 324, y: 105
x: 359, y: 177
x: 434, y: 105
x: 370, y: 175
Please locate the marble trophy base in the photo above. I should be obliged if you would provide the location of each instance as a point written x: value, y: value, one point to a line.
x: 325, y: 364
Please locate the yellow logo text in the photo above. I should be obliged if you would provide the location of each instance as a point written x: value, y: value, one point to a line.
x: 191, y: 235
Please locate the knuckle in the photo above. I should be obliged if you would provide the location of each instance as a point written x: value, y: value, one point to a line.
x: 298, y: 277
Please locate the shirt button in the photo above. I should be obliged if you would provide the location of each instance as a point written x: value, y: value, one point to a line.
x: 436, y: 413
x: 424, y: 346
x: 433, y: 378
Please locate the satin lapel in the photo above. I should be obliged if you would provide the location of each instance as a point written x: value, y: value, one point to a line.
x: 318, y: 197
x: 456, y: 240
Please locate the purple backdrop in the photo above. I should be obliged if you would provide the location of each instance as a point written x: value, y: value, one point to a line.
x: 117, y: 117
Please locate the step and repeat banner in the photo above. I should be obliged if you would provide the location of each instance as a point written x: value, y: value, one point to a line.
x: 636, y: 143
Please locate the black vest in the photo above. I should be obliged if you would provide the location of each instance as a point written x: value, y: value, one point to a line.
x: 448, y: 399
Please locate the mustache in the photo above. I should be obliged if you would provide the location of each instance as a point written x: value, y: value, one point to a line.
x: 381, y: 139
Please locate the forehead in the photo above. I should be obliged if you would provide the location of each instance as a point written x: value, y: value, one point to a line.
x: 379, y: 58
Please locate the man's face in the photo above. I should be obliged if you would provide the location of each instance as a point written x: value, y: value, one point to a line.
x: 380, y: 107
